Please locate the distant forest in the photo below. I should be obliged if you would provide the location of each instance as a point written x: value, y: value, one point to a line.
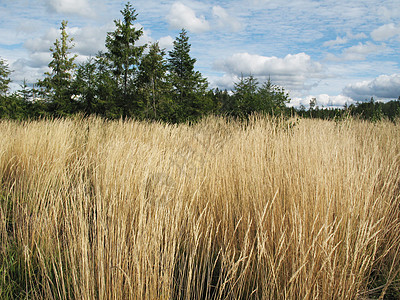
x: 146, y: 82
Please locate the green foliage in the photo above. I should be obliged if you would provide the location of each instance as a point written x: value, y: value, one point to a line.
x: 249, y: 97
x: 245, y: 96
x: 369, y: 110
x: 56, y: 87
x: 4, y: 77
x: 189, y: 88
x: 13, y: 279
x: 125, y: 83
x: 25, y: 93
x: 12, y: 107
x: 124, y: 57
x: 272, y: 98
x: 94, y: 87
x: 106, y: 88
x: 152, y: 82
x: 85, y: 85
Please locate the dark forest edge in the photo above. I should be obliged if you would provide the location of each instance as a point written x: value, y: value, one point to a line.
x: 143, y: 82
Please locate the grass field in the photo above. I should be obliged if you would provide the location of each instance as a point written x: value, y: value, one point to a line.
x: 270, y: 209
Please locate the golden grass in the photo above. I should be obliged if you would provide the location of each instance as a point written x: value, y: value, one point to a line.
x: 218, y: 210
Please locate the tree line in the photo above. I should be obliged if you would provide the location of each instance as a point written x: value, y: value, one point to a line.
x: 144, y: 82
x: 131, y: 80
x: 367, y: 110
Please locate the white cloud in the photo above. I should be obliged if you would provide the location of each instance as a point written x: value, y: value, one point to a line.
x: 89, y: 40
x: 223, y: 82
x: 224, y: 19
x: 294, y: 71
x: 323, y: 100
x: 79, y: 7
x: 86, y: 40
x: 385, y: 32
x: 344, y: 40
x: 145, y: 38
x: 338, y: 41
x: 357, y: 36
x: 182, y: 16
x: 31, y: 69
x: 384, y: 86
x: 333, y: 101
x: 166, y: 42
x: 9, y: 38
x: 389, y: 13
x: 43, y: 43
x: 291, y: 64
x: 358, y: 52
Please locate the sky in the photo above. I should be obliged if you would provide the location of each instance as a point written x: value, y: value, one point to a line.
x: 338, y: 51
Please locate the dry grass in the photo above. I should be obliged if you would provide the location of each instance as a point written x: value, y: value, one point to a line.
x: 92, y: 209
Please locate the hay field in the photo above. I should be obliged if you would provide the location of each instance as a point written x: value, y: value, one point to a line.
x: 271, y: 209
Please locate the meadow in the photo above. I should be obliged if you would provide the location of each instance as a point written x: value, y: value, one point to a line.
x: 264, y: 209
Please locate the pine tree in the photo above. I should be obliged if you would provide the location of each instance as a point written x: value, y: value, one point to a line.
x: 124, y: 55
x: 189, y: 86
x: 57, y: 84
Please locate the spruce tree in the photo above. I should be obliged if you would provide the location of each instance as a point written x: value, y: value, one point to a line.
x: 4, y: 77
x: 151, y: 80
x: 57, y: 85
x: 85, y: 85
x: 95, y: 87
x: 124, y: 55
x: 245, y: 96
x: 272, y: 98
x: 188, y: 86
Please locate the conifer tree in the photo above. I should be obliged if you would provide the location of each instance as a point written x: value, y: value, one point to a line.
x: 124, y: 54
x: 85, y: 85
x: 272, y: 98
x: 57, y: 84
x: 189, y: 86
x: 25, y: 93
x: 95, y: 87
x: 4, y: 77
x: 151, y: 80
x: 245, y: 96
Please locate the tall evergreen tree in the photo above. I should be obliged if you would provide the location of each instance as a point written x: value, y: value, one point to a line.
x: 57, y: 84
x: 244, y: 98
x: 24, y: 92
x: 105, y: 88
x: 189, y: 86
x: 95, y: 87
x: 124, y: 54
x: 151, y: 80
x: 85, y: 85
x: 272, y: 98
x: 4, y: 77
x: 248, y: 97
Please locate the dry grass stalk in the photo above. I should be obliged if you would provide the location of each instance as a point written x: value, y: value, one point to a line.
x: 218, y: 210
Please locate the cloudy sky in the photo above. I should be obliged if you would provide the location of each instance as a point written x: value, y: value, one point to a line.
x: 335, y: 50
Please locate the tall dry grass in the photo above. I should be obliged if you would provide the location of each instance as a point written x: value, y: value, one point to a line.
x: 271, y: 209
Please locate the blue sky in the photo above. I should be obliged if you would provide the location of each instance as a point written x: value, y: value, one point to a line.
x: 337, y: 51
